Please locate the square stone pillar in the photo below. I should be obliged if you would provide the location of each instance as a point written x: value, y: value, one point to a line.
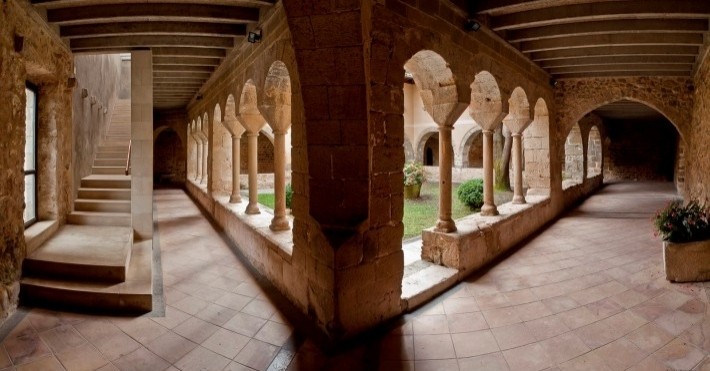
x: 142, y: 144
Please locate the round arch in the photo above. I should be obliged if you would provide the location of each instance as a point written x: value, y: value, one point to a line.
x: 472, y: 136
x: 594, y: 152
x: 421, y: 142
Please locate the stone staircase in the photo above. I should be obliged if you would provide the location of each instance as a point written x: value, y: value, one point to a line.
x: 93, y: 263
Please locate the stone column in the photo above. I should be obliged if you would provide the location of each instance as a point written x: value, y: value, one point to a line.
x: 518, y: 197
x: 489, y: 207
x: 142, y: 144
x: 279, y: 222
x: 236, y: 197
x: 445, y: 223
x: 253, y: 206
x: 198, y: 175
x: 205, y: 154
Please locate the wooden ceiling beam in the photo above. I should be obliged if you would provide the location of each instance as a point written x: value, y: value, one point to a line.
x: 619, y: 74
x: 686, y: 50
x: 621, y: 67
x: 153, y: 28
x: 610, y: 26
x: 607, y: 10
x: 637, y: 59
x: 56, y: 4
x: 169, y: 67
x: 187, y: 61
x: 189, y: 52
x: 113, y: 42
x: 611, y: 40
x: 152, y: 11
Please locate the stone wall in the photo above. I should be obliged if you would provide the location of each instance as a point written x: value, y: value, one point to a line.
x: 697, y: 167
x: 640, y: 150
x: 171, y: 162
x: 30, y: 51
x: 98, y: 80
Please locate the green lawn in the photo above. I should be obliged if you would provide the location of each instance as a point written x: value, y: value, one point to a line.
x: 421, y: 213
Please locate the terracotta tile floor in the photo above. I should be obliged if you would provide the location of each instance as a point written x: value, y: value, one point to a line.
x: 587, y: 293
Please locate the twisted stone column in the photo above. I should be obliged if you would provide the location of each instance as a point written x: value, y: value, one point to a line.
x: 489, y: 207
x: 446, y: 223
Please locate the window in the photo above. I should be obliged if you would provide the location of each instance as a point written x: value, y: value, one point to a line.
x: 30, y: 166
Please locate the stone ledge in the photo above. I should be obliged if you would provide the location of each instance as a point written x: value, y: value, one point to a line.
x: 428, y: 281
x: 38, y: 233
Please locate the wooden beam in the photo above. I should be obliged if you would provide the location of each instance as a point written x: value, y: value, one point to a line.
x: 637, y: 59
x: 153, y: 28
x: 189, y: 52
x: 611, y: 40
x: 615, y: 51
x: 187, y: 61
x: 606, y: 10
x: 55, y: 4
x: 116, y: 12
x: 610, y: 26
x: 151, y: 41
x: 164, y: 67
x: 184, y: 74
x: 620, y: 74
x: 622, y: 67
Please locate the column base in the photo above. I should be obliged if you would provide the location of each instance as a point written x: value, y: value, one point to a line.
x: 252, y: 209
x: 445, y: 226
x: 519, y: 199
x: 489, y: 210
x: 279, y: 224
x: 235, y: 199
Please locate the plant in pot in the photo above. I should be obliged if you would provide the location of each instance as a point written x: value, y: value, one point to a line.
x: 413, y: 179
x: 685, y: 230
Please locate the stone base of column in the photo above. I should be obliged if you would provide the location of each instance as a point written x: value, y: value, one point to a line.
x: 252, y: 209
x: 279, y: 224
x: 235, y: 199
x: 445, y: 226
x: 489, y: 210
x: 519, y: 199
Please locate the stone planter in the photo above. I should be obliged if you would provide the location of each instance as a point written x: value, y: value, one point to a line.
x: 687, y: 262
x: 412, y: 191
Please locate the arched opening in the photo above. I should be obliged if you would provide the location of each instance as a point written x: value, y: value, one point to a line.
x: 205, y: 134
x: 252, y: 120
x: 536, y: 145
x: 191, y: 151
x: 472, y: 149
x: 573, y: 172
x: 594, y: 153
x: 236, y: 131
x: 265, y: 158
x: 625, y: 157
x: 431, y: 151
x: 221, y: 143
x: 168, y: 158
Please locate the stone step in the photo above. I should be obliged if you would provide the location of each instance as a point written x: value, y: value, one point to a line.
x: 133, y: 295
x: 111, y: 155
x: 105, y: 193
x: 103, y: 205
x: 424, y: 281
x: 108, y: 170
x: 109, y: 162
x: 99, y: 218
x: 106, y: 181
x: 113, y: 148
x: 86, y: 253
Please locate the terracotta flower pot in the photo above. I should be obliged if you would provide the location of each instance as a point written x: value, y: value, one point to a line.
x: 412, y: 191
x: 687, y: 262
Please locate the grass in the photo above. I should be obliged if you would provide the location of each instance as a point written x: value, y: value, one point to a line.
x: 423, y: 212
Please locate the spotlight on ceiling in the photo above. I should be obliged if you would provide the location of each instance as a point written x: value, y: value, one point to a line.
x: 254, y: 36
x: 471, y: 25
x: 553, y: 83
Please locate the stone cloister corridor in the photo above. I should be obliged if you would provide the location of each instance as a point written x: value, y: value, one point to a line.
x: 588, y: 292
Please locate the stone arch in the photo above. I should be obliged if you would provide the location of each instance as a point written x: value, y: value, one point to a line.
x: 536, y: 146
x: 276, y: 102
x: 421, y: 143
x: 248, y: 100
x: 408, y: 151
x: 472, y: 141
x: 573, y: 172
x: 437, y: 86
x: 487, y: 105
x: 518, y: 104
x: 594, y: 152
x: 264, y: 153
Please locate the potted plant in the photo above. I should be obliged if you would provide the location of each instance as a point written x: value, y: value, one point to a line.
x: 413, y: 179
x: 685, y: 229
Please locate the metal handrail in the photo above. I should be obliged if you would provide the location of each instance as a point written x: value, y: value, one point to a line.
x: 128, y: 160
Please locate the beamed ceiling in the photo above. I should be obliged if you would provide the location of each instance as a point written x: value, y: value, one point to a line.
x: 592, y: 38
x: 189, y: 39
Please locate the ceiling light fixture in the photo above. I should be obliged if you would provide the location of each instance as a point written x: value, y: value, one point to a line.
x: 254, y: 36
x: 471, y: 25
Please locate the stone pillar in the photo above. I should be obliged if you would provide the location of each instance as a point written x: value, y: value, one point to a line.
x: 142, y: 144
x: 445, y: 223
x: 253, y: 206
x: 518, y: 197
x: 198, y: 175
x: 236, y: 197
x: 205, y: 154
x: 489, y: 207
x: 279, y: 222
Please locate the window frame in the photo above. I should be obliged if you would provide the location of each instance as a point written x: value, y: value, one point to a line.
x: 33, y: 172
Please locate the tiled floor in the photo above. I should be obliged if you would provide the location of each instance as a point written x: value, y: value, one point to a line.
x: 587, y: 293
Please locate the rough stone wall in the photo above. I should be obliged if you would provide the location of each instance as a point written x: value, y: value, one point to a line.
x: 169, y: 158
x: 640, y: 150
x: 173, y: 120
x: 574, y: 156
x: 697, y: 168
x: 100, y: 78
x: 475, y: 153
x: 44, y: 61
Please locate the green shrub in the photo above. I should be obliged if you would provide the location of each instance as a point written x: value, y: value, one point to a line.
x: 471, y: 193
x: 289, y: 195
